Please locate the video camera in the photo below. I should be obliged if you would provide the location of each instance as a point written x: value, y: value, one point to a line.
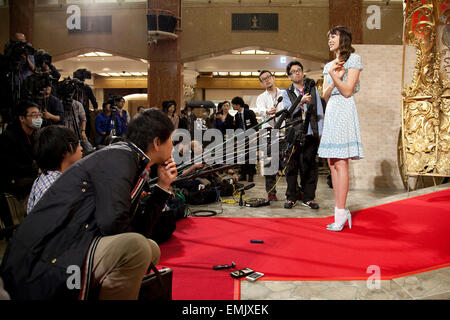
x: 41, y: 56
x: 82, y: 74
x: 34, y: 86
x: 114, y: 101
x: 14, y: 51
x: 66, y: 89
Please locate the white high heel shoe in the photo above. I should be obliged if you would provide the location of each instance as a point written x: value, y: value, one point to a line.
x: 335, y: 227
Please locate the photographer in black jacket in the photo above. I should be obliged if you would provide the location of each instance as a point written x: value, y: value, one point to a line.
x: 86, y: 224
x: 18, y: 168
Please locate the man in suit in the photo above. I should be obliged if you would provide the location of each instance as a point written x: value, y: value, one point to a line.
x: 244, y: 119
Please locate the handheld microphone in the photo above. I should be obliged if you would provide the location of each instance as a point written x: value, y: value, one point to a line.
x: 280, y: 98
x: 251, y: 185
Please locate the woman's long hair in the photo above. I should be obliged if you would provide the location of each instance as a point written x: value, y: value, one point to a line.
x: 345, y: 42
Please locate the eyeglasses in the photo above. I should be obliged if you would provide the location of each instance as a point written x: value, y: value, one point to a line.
x: 35, y: 115
x: 297, y: 71
x: 266, y: 78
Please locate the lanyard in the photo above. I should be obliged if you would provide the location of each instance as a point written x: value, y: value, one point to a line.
x: 275, y: 98
x: 302, y: 106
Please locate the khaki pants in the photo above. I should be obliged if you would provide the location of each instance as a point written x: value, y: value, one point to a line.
x: 120, y: 263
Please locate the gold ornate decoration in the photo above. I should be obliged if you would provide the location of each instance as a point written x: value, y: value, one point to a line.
x: 426, y: 101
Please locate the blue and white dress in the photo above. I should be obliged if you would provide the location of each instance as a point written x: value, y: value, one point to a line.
x: 341, y: 138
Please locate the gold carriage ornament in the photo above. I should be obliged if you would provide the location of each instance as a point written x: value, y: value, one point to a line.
x: 424, y: 144
x: 161, y: 25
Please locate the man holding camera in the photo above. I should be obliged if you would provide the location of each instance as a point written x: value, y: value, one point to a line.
x: 304, y: 157
x: 52, y: 109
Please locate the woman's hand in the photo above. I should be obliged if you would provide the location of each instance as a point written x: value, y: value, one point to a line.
x: 337, y: 69
x: 167, y: 174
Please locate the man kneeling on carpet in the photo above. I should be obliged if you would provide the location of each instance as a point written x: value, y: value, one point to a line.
x: 82, y: 239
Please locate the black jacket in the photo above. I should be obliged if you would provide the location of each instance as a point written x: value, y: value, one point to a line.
x: 18, y: 168
x: 228, y: 123
x: 309, y: 85
x: 249, y: 119
x: 90, y: 199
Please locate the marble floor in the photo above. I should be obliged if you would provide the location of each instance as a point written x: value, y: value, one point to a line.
x: 428, y: 285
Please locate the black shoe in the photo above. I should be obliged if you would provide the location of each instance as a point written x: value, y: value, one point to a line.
x: 311, y: 204
x: 289, y: 204
x: 250, y: 178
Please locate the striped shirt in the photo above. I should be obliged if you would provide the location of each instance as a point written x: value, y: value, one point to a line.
x: 40, y: 185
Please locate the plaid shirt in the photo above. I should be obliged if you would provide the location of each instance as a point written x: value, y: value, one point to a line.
x: 40, y: 185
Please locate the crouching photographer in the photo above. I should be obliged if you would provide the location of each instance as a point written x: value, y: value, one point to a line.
x: 86, y: 221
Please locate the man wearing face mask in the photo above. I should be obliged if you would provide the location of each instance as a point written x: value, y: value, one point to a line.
x: 18, y: 168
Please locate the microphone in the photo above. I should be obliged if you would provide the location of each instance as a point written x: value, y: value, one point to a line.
x: 249, y: 186
x: 280, y: 98
x: 279, y: 113
x: 241, y: 190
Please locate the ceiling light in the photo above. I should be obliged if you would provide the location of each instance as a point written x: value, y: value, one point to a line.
x: 248, y: 52
x: 255, y: 74
x: 223, y: 73
x: 114, y: 74
x: 246, y: 74
x: 280, y: 73
x: 103, y: 74
x: 234, y: 74
x: 103, y: 54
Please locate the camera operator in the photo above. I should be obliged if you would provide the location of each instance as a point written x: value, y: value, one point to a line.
x: 84, y: 96
x: 107, y: 123
x: 28, y: 65
x: 304, y: 157
x: 52, y: 109
x: 18, y: 167
x: 16, y: 65
x: 87, y: 219
x: 44, y: 64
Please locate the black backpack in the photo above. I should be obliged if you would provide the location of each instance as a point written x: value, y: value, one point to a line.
x: 203, y: 196
x: 165, y: 225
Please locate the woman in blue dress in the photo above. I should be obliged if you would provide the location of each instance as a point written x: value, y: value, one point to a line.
x: 341, y: 138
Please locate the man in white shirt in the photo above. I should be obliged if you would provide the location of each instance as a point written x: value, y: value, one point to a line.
x: 267, y: 106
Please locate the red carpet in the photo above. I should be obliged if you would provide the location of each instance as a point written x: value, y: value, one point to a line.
x: 402, y: 238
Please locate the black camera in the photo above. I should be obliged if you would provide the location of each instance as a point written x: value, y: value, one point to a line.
x: 114, y: 101
x: 82, y: 74
x: 42, y: 56
x: 66, y: 89
x: 15, y: 50
x: 35, y: 84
